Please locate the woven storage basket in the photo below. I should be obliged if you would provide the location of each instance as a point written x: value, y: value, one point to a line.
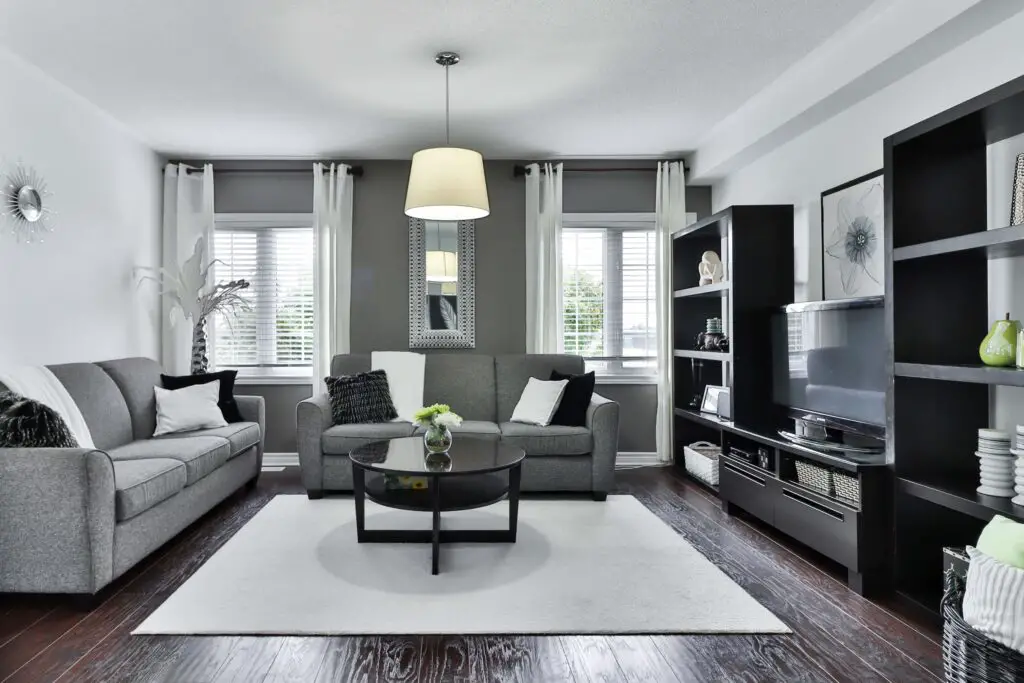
x: 967, y: 655
x: 701, y: 459
x: 847, y: 487
x: 813, y: 477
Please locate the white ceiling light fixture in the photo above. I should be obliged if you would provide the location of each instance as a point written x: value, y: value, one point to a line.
x: 447, y: 183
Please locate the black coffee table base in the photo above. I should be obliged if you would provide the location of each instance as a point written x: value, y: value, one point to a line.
x: 454, y: 493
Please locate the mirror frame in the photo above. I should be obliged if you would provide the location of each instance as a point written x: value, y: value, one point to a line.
x: 421, y: 336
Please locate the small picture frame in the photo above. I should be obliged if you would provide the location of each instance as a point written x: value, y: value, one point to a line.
x: 712, y: 397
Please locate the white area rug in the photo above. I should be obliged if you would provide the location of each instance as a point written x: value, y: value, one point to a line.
x: 577, y: 567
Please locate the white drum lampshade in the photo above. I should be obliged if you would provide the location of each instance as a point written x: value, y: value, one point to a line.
x: 447, y: 184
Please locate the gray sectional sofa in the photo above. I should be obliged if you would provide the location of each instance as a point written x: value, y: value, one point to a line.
x: 484, y: 390
x: 73, y: 520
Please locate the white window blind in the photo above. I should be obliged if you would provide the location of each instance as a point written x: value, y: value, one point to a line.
x: 608, y: 296
x: 275, y: 338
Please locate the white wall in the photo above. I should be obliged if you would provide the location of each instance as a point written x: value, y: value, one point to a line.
x: 850, y: 144
x: 72, y: 297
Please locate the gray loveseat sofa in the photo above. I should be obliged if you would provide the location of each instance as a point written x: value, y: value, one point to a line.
x: 73, y: 520
x: 484, y: 390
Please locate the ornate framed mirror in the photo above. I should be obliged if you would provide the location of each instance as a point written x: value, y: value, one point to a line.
x: 442, y: 296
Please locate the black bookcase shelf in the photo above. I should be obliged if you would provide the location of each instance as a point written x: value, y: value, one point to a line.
x: 719, y: 289
x: 966, y: 501
x: 938, y: 250
x: 976, y: 374
x: 998, y: 243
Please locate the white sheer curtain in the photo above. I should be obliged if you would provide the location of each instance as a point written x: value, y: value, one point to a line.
x: 543, y: 258
x: 188, y: 215
x: 671, y: 216
x: 332, y: 274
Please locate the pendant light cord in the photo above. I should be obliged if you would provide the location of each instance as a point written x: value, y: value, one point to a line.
x: 447, y: 110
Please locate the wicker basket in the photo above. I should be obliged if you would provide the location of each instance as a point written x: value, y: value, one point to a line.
x: 847, y: 487
x: 967, y: 655
x: 701, y: 459
x: 813, y: 477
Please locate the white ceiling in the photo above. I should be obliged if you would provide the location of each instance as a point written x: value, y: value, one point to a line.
x: 356, y: 78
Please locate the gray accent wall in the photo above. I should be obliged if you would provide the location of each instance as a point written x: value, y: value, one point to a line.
x: 380, y: 264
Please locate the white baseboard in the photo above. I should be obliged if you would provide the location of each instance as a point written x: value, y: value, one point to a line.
x: 629, y: 460
x: 622, y: 460
x: 281, y: 459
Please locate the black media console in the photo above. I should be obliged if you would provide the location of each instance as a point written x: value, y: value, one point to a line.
x: 758, y: 474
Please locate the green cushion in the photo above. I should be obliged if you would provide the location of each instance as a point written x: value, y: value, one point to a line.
x: 1003, y: 539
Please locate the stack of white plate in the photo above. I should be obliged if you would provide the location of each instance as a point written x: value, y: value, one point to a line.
x: 996, y: 463
x: 1019, y: 453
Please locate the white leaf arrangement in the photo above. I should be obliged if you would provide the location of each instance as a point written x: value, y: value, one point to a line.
x: 189, y: 292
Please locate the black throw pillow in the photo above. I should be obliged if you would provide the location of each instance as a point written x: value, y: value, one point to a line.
x: 226, y: 401
x: 572, y: 409
x: 25, y: 423
x: 361, y: 398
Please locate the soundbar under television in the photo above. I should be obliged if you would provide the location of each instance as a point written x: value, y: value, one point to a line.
x: 828, y: 373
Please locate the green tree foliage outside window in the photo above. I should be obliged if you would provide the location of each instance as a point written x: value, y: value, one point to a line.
x: 583, y: 314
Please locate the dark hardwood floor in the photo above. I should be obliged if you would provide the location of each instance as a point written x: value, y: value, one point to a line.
x: 837, y: 635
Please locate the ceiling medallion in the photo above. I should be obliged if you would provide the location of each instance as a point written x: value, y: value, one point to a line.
x: 447, y: 183
x: 24, y: 204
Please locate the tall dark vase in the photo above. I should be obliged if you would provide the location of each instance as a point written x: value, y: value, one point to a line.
x: 200, y: 363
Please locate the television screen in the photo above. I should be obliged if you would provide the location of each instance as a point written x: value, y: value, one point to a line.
x: 828, y: 358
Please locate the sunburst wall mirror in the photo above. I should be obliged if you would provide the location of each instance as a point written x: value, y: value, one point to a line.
x: 24, y: 206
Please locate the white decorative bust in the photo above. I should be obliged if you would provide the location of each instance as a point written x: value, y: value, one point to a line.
x: 711, y: 269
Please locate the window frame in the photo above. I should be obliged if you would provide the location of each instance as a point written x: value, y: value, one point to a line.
x: 644, y: 221
x: 265, y: 221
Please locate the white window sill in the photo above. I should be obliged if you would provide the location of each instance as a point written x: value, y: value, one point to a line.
x: 273, y: 381
x: 626, y: 379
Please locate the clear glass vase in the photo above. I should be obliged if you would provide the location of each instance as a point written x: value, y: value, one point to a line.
x: 437, y: 439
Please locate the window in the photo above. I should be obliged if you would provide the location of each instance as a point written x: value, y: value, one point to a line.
x: 608, y: 292
x: 276, y: 256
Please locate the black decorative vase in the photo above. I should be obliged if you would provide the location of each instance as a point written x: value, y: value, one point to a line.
x: 200, y: 363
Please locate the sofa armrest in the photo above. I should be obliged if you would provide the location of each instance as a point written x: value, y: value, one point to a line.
x: 57, y: 512
x: 254, y: 409
x: 313, y: 417
x: 603, y: 423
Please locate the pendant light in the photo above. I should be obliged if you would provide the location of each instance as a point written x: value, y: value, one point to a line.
x: 447, y: 183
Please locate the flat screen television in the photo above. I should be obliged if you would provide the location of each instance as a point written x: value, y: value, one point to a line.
x: 828, y: 370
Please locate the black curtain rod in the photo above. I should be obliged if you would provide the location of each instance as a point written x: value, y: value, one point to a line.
x: 520, y: 171
x: 354, y: 171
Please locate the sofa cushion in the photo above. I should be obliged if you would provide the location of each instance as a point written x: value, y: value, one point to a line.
x: 241, y: 435
x: 341, y: 439
x: 465, y: 381
x: 136, y: 377
x: 478, y: 429
x: 201, y: 454
x: 511, y: 373
x: 550, y: 440
x: 141, y: 484
x: 100, y: 400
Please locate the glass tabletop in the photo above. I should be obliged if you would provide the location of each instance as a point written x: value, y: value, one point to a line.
x: 409, y: 457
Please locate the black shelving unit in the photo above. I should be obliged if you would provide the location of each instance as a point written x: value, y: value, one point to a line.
x: 938, y: 249
x: 755, y: 244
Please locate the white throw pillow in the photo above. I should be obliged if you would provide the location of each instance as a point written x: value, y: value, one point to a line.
x: 183, y: 410
x: 539, y: 401
x: 405, y: 371
x: 994, y: 599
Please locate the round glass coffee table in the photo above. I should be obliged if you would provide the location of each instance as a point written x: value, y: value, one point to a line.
x: 471, y: 474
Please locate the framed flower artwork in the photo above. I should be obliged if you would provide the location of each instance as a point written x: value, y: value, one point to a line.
x: 852, y: 237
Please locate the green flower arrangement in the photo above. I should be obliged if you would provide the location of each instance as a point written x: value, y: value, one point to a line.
x: 437, y: 415
x: 437, y: 419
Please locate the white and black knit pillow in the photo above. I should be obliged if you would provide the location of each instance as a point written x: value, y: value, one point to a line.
x: 361, y: 398
x: 25, y: 423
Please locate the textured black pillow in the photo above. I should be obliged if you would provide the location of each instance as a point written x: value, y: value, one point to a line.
x: 572, y: 410
x: 226, y: 401
x: 25, y: 423
x: 360, y: 398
